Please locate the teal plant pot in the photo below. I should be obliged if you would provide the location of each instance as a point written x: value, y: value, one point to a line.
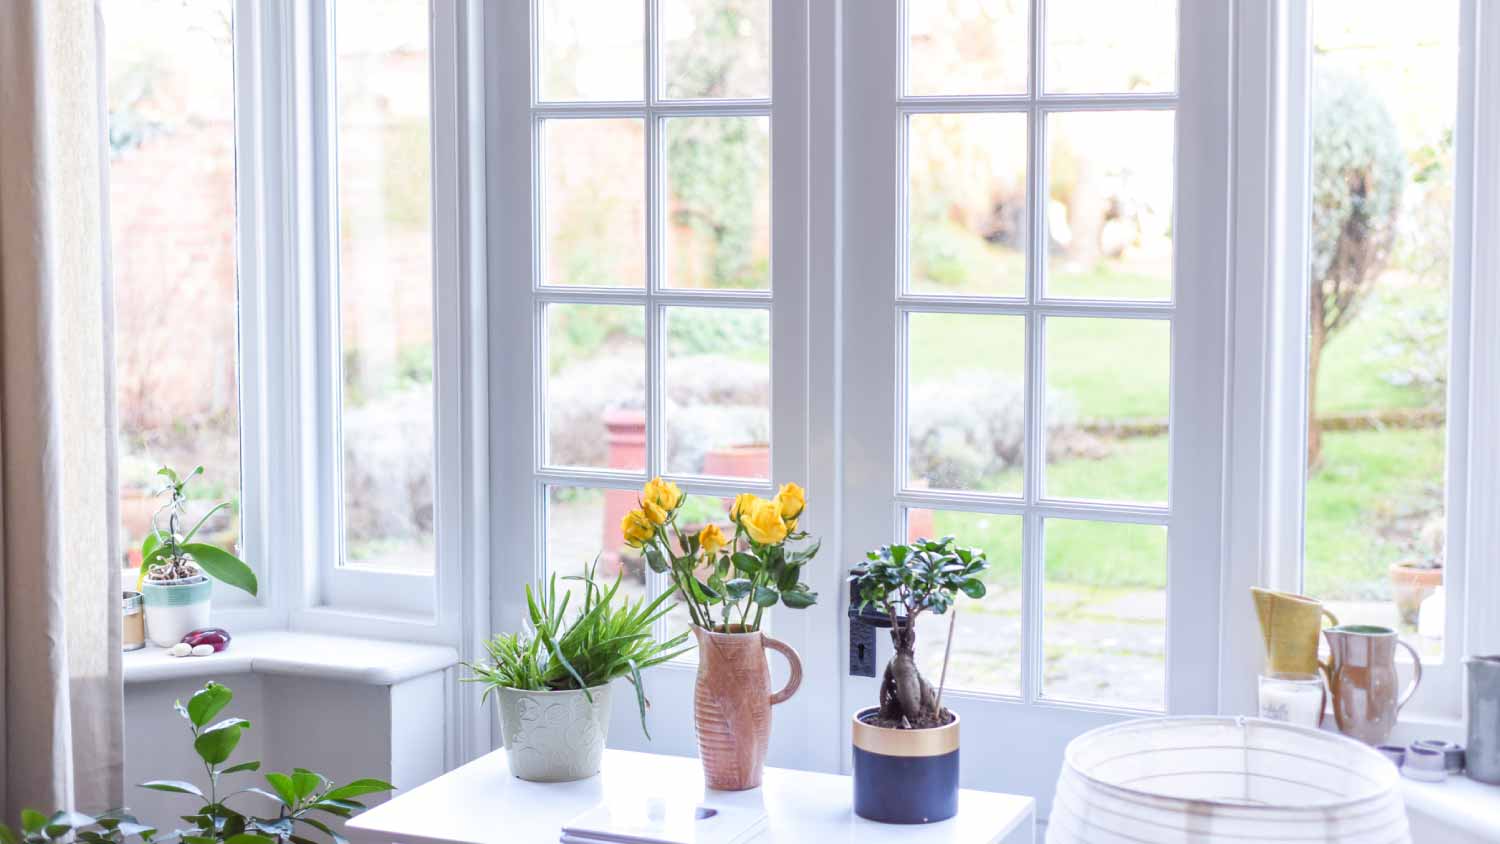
x: 175, y: 608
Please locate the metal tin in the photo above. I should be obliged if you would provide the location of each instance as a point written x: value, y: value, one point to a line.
x: 1482, y: 756
x: 133, y: 624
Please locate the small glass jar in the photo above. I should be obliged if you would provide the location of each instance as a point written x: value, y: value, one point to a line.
x: 133, y: 630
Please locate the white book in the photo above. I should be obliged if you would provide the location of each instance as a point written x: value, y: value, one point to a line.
x: 659, y: 820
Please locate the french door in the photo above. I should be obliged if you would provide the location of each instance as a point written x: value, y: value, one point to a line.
x: 1035, y: 276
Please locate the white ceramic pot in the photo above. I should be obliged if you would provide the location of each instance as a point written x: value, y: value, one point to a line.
x: 553, y: 736
x: 175, y: 608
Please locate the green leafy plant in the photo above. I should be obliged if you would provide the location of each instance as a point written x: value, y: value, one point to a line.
x: 298, y: 796
x: 742, y: 576
x: 170, y: 554
x: 904, y: 581
x: 606, y: 639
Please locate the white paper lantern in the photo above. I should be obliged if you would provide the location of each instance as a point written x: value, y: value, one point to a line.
x: 1212, y: 780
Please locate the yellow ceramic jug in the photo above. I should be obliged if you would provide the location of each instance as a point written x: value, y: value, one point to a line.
x: 1289, y: 626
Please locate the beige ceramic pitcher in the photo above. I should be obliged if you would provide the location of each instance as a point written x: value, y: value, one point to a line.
x: 1289, y: 626
x: 732, y: 702
x: 1362, y: 679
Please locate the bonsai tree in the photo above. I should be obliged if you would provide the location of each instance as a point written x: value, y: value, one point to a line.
x: 173, y: 555
x: 302, y: 801
x: 606, y: 639
x: 741, y: 576
x: 904, y: 581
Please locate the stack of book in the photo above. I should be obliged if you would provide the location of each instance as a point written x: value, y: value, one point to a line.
x: 656, y: 820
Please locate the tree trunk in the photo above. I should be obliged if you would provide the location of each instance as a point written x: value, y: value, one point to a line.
x: 1316, y: 339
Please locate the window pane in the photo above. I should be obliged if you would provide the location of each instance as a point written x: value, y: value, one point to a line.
x: 1109, y: 209
x: 1107, y: 405
x: 583, y: 524
x: 716, y: 49
x: 1384, y: 89
x: 987, y: 639
x: 967, y: 204
x: 385, y: 281
x: 596, y: 386
x: 594, y: 202
x: 967, y: 46
x: 1109, y: 46
x: 591, y: 50
x: 719, y: 202
x: 170, y: 78
x: 718, y: 392
x: 966, y: 402
x: 1104, y: 624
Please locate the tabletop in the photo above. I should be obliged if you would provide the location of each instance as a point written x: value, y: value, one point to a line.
x: 481, y: 802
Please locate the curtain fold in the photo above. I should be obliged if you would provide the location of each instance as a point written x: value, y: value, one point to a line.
x: 61, y: 707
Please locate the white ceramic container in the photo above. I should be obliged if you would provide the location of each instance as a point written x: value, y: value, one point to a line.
x: 176, y: 608
x: 554, y: 736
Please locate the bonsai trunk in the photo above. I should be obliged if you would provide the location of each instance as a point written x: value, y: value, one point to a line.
x: 907, y: 700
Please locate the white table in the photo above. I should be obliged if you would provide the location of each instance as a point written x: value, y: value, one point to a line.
x: 482, y: 802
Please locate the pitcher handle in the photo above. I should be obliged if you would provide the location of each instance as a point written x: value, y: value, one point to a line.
x: 1416, y: 674
x: 793, y: 682
x: 1331, y: 617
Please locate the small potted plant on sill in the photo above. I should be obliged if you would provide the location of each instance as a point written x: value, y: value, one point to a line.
x: 177, y: 574
x: 552, y: 680
x: 727, y: 585
x: 1413, y: 581
x: 906, y: 749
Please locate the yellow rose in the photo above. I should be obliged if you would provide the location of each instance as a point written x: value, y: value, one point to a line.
x: 711, y: 539
x: 791, y: 525
x: 792, y: 500
x: 764, y: 523
x: 663, y: 494
x: 744, y: 503
x: 637, y: 529
x: 654, y: 513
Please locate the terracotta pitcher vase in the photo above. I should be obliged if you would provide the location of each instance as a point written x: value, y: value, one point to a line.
x: 1362, y: 678
x: 732, y: 703
x: 1289, y: 626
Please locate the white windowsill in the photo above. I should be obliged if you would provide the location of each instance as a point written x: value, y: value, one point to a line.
x: 1459, y: 804
x: 371, y: 661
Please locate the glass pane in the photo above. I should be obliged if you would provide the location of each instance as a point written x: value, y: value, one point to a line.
x: 1111, y: 46
x: 718, y: 392
x: 596, y: 386
x: 718, y: 202
x: 591, y: 50
x: 1384, y: 89
x: 594, y: 202
x: 966, y: 402
x: 987, y: 636
x: 170, y: 75
x: 1107, y: 404
x: 583, y: 524
x: 1109, y: 206
x: 967, y: 46
x: 968, y: 204
x: 713, y: 49
x: 1104, y: 605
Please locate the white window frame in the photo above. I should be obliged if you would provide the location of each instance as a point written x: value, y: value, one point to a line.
x: 1270, y: 371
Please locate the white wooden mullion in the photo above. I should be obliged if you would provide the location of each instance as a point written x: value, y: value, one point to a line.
x: 1020, y: 103
x: 1050, y: 307
x: 1033, y: 567
x: 671, y: 108
x: 638, y: 296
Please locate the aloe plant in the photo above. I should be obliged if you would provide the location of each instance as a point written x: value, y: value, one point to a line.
x: 173, y: 555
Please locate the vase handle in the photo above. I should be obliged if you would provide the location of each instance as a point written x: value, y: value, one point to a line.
x: 1416, y: 674
x: 794, y: 681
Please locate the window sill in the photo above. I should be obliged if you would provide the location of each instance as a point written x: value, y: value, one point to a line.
x: 370, y: 661
x: 1458, y: 807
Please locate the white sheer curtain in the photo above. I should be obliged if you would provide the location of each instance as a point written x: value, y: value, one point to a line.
x: 60, y: 710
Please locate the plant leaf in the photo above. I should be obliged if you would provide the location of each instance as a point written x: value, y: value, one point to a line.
x: 765, y: 596
x: 208, y: 702
x: 174, y: 786
x: 243, y: 766
x: 324, y: 828
x: 973, y: 587
x: 216, y: 743
x: 357, y: 788
x: 304, y: 782
x: 249, y: 838
x: 799, y: 600
x: 223, y: 566
x: 286, y: 792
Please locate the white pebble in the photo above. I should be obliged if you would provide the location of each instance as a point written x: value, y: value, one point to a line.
x: 180, y: 649
x: 202, y: 650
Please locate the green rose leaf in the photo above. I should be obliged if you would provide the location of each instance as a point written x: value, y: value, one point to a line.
x: 799, y: 600
x: 208, y: 702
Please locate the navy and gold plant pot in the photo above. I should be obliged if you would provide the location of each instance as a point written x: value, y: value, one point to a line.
x: 905, y: 776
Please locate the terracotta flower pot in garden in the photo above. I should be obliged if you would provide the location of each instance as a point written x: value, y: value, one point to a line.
x: 732, y: 703
x: 1411, y: 585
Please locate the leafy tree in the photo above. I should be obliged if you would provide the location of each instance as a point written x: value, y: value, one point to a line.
x: 1358, y: 176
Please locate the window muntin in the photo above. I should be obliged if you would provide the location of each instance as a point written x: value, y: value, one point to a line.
x: 171, y: 94
x: 385, y: 282
x: 1382, y: 118
x: 1075, y: 268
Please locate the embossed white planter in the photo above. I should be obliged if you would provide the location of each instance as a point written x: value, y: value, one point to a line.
x: 553, y: 736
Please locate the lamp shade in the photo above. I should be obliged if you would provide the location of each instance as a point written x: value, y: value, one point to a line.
x: 1211, y: 780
